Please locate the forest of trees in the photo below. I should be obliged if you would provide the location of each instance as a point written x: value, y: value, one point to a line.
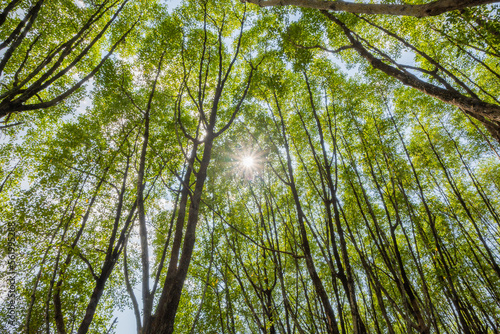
x: 250, y: 166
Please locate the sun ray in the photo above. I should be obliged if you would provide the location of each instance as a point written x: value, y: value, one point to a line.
x: 247, y: 161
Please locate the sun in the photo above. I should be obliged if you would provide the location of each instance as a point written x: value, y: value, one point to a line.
x: 248, y: 162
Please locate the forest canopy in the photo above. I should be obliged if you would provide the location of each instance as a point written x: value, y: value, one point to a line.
x: 254, y: 166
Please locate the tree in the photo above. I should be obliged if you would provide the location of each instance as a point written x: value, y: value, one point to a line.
x: 229, y: 176
x: 430, y: 75
x: 37, y: 66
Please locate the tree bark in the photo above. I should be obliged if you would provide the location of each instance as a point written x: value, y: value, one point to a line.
x: 163, y: 321
x: 430, y: 9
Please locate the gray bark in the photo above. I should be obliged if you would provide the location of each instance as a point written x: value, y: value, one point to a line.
x: 430, y: 9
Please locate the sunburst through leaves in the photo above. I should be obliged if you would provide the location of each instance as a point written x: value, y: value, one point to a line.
x: 247, y: 163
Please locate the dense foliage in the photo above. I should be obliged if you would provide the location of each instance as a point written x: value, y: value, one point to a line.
x: 218, y: 167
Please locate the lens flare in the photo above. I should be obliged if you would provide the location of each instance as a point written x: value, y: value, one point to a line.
x: 247, y: 162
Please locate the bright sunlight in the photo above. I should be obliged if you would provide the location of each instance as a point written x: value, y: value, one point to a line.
x: 247, y: 162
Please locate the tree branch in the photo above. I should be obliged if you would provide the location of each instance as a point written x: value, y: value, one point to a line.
x: 430, y: 9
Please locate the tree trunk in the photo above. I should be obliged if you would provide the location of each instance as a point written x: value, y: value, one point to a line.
x: 430, y: 9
